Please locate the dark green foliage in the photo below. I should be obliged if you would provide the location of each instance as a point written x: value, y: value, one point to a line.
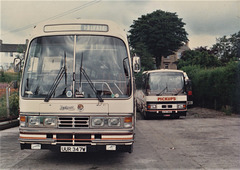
x: 8, y: 76
x: 227, y: 49
x: 159, y: 32
x: 215, y: 74
x: 216, y: 88
x: 2, y: 76
x: 201, y: 57
x: 13, y: 98
x: 147, y: 61
x: 3, y: 107
x: 138, y: 80
x: 13, y: 105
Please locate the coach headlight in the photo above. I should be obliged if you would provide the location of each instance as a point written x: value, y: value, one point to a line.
x: 114, y: 122
x: 34, y: 121
x: 111, y: 122
x: 99, y: 122
x: 40, y: 121
x: 50, y: 121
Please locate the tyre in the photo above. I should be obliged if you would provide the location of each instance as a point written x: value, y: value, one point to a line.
x: 146, y: 116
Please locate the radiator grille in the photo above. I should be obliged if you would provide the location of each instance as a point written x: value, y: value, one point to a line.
x: 73, y: 139
x: 73, y: 122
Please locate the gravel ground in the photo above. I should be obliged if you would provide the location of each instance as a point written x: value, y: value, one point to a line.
x: 199, y: 112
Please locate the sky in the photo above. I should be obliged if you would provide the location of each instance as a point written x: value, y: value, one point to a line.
x: 205, y: 20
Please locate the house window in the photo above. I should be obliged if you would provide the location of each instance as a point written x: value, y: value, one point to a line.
x: 179, y: 55
x: 166, y: 66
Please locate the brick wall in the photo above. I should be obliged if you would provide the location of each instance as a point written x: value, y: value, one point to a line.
x: 3, y: 89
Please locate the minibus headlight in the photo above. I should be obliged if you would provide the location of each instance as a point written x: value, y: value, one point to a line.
x: 181, y: 106
x: 114, y: 122
x: 152, y: 106
x: 33, y: 121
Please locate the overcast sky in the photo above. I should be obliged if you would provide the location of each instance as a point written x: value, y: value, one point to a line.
x: 205, y: 20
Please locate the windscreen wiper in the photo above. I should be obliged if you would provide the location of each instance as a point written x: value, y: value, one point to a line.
x: 65, y: 65
x: 55, y: 83
x: 160, y: 93
x: 82, y: 71
x: 178, y: 91
x: 80, y: 79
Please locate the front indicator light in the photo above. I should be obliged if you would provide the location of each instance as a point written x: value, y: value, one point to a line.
x: 22, y: 121
x: 128, y: 122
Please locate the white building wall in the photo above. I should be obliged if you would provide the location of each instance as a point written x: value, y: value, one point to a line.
x: 7, y: 58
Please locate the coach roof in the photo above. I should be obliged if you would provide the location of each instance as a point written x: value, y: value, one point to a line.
x: 79, y: 26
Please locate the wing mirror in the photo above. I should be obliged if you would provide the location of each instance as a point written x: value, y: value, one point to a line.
x: 17, y: 64
x: 136, y: 64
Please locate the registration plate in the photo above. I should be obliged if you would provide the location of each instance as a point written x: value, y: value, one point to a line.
x: 73, y: 149
x: 166, y: 111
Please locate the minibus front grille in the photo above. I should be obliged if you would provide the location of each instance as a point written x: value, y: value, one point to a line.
x: 73, y: 122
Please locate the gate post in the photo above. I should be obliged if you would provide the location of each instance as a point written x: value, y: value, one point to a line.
x: 7, y: 101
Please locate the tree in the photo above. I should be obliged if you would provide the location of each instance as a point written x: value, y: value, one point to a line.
x: 227, y: 49
x: 160, y: 32
x: 146, y: 58
x: 200, y: 56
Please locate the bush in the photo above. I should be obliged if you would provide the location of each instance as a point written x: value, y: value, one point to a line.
x: 8, y: 76
x: 13, y: 105
x: 3, y: 108
x: 216, y: 88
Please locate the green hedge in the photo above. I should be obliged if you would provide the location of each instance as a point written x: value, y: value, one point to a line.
x: 13, y: 105
x: 9, y: 76
x: 216, y: 88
